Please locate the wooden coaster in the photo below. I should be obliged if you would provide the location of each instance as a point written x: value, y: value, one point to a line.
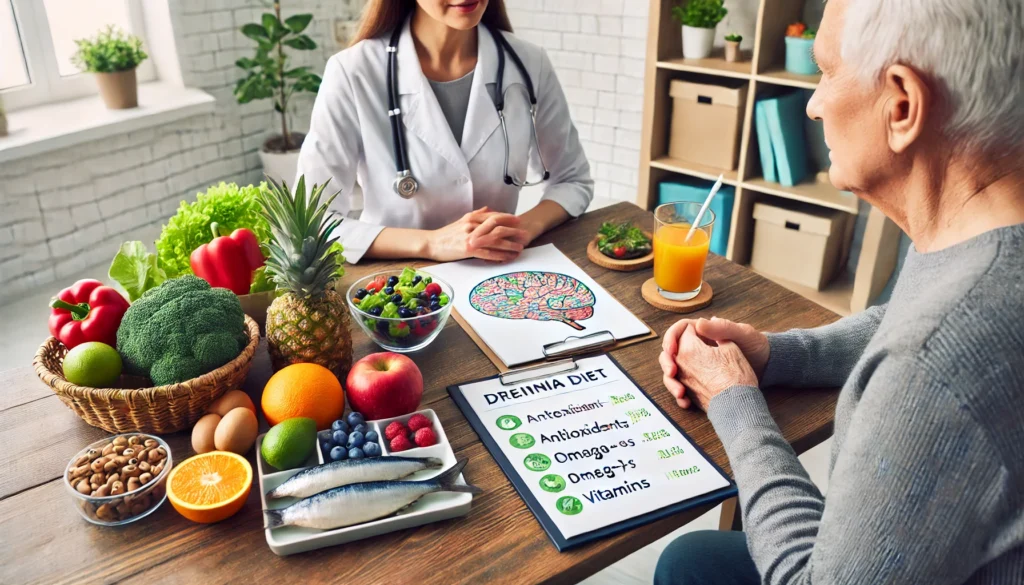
x: 595, y: 256
x: 650, y: 293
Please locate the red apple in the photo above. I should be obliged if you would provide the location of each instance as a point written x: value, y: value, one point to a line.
x: 384, y: 385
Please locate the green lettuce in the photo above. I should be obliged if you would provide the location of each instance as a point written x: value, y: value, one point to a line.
x: 229, y: 205
x: 136, y: 269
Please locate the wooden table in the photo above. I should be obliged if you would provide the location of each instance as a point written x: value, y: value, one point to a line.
x: 43, y: 539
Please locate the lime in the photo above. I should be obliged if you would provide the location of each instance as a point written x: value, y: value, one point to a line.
x: 92, y: 364
x: 289, y: 443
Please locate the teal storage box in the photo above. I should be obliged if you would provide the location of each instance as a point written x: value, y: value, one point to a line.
x: 696, y: 190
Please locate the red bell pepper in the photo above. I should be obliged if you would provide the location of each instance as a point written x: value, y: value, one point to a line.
x: 87, y: 311
x: 228, y: 261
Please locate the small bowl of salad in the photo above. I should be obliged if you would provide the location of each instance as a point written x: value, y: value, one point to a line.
x: 401, y: 312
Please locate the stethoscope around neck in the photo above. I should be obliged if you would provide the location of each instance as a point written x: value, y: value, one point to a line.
x: 405, y: 183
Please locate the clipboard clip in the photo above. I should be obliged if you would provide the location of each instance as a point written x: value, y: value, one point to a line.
x: 545, y: 370
x: 574, y: 345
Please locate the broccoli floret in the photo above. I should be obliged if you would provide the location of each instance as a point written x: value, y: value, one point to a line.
x: 180, y: 330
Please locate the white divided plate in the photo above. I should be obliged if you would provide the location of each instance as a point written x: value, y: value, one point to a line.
x: 289, y: 540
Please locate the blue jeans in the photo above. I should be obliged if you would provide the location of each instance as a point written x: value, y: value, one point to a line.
x: 707, y: 557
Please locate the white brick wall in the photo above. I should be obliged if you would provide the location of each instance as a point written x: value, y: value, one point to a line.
x: 68, y: 210
x: 71, y: 209
x: 598, y: 49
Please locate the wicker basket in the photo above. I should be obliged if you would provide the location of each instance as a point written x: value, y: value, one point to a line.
x: 163, y: 409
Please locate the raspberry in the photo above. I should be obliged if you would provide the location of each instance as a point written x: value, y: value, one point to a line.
x: 400, y: 443
x: 394, y: 429
x: 417, y: 422
x: 425, y: 437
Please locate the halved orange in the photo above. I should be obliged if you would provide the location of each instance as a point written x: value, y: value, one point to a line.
x: 210, y: 487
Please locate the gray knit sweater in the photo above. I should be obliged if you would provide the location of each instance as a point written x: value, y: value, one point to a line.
x: 927, y: 474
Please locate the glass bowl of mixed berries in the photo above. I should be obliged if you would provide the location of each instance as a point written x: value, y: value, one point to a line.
x: 401, y: 312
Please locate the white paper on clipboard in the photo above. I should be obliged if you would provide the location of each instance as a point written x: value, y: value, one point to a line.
x: 588, y: 444
x: 541, y: 299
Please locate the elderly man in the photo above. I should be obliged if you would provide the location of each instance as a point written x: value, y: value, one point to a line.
x: 923, y: 108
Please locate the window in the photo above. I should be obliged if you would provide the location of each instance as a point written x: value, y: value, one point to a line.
x: 37, y: 40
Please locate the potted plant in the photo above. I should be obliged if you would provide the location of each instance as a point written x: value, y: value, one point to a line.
x: 799, y: 56
x: 732, y: 47
x: 112, y: 55
x: 268, y: 76
x: 699, y: 19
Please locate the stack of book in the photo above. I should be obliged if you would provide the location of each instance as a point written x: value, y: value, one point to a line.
x: 780, y: 138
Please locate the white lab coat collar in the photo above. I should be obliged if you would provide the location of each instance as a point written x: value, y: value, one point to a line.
x: 422, y: 115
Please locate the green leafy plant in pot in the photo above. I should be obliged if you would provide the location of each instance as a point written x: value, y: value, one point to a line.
x: 732, y: 47
x: 699, y: 19
x: 112, y: 55
x: 269, y: 76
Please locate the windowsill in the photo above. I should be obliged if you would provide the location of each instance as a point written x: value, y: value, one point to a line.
x: 42, y: 129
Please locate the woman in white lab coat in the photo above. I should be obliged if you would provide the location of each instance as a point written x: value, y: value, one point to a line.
x: 463, y: 206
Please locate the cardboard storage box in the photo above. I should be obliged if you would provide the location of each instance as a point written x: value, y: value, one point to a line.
x: 804, y: 244
x: 706, y: 122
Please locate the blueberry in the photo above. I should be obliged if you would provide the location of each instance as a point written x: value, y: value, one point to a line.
x: 372, y: 450
x: 423, y: 297
x: 339, y: 437
x: 416, y: 279
x: 371, y: 437
x: 404, y: 312
x: 435, y: 298
x: 392, y: 280
x: 339, y: 425
x: 435, y: 307
x: 355, y: 418
x: 338, y: 453
x: 382, y: 326
x: 361, y: 293
x: 356, y: 453
x: 397, y: 299
x: 355, y: 439
x: 388, y: 290
x: 362, y: 428
x: 327, y: 446
x: 376, y: 311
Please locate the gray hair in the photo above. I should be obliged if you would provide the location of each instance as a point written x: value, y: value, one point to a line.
x: 973, y: 50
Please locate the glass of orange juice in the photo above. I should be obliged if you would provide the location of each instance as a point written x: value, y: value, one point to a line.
x: 678, y: 261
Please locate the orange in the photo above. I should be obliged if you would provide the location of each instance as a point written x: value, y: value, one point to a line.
x: 306, y: 390
x: 210, y: 487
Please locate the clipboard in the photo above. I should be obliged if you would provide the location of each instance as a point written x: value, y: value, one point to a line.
x: 546, y: 370
x: 572, y: 346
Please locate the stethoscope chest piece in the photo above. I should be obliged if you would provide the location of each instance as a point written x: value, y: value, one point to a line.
x: 405, y: 185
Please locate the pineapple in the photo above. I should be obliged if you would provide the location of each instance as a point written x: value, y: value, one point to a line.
x: 309, y: 322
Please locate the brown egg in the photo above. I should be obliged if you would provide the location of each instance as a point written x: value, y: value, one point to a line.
x: 237, y: 431
x: 203, y: 432
x: 230, y: 401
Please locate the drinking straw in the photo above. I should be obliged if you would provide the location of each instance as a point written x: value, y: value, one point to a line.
x: 704, y: 208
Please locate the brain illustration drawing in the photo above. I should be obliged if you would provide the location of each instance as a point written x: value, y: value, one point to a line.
x: 539, y: 296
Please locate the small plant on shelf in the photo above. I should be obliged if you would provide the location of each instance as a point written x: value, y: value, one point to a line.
x: 699, y: 19
x: 112, y: 55
x: 732, y: 47
x: 799, y: 54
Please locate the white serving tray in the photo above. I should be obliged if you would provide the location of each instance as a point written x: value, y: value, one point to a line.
x: 289, y: 540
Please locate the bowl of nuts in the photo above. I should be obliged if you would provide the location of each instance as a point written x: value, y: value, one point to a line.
x: 119, y: 479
